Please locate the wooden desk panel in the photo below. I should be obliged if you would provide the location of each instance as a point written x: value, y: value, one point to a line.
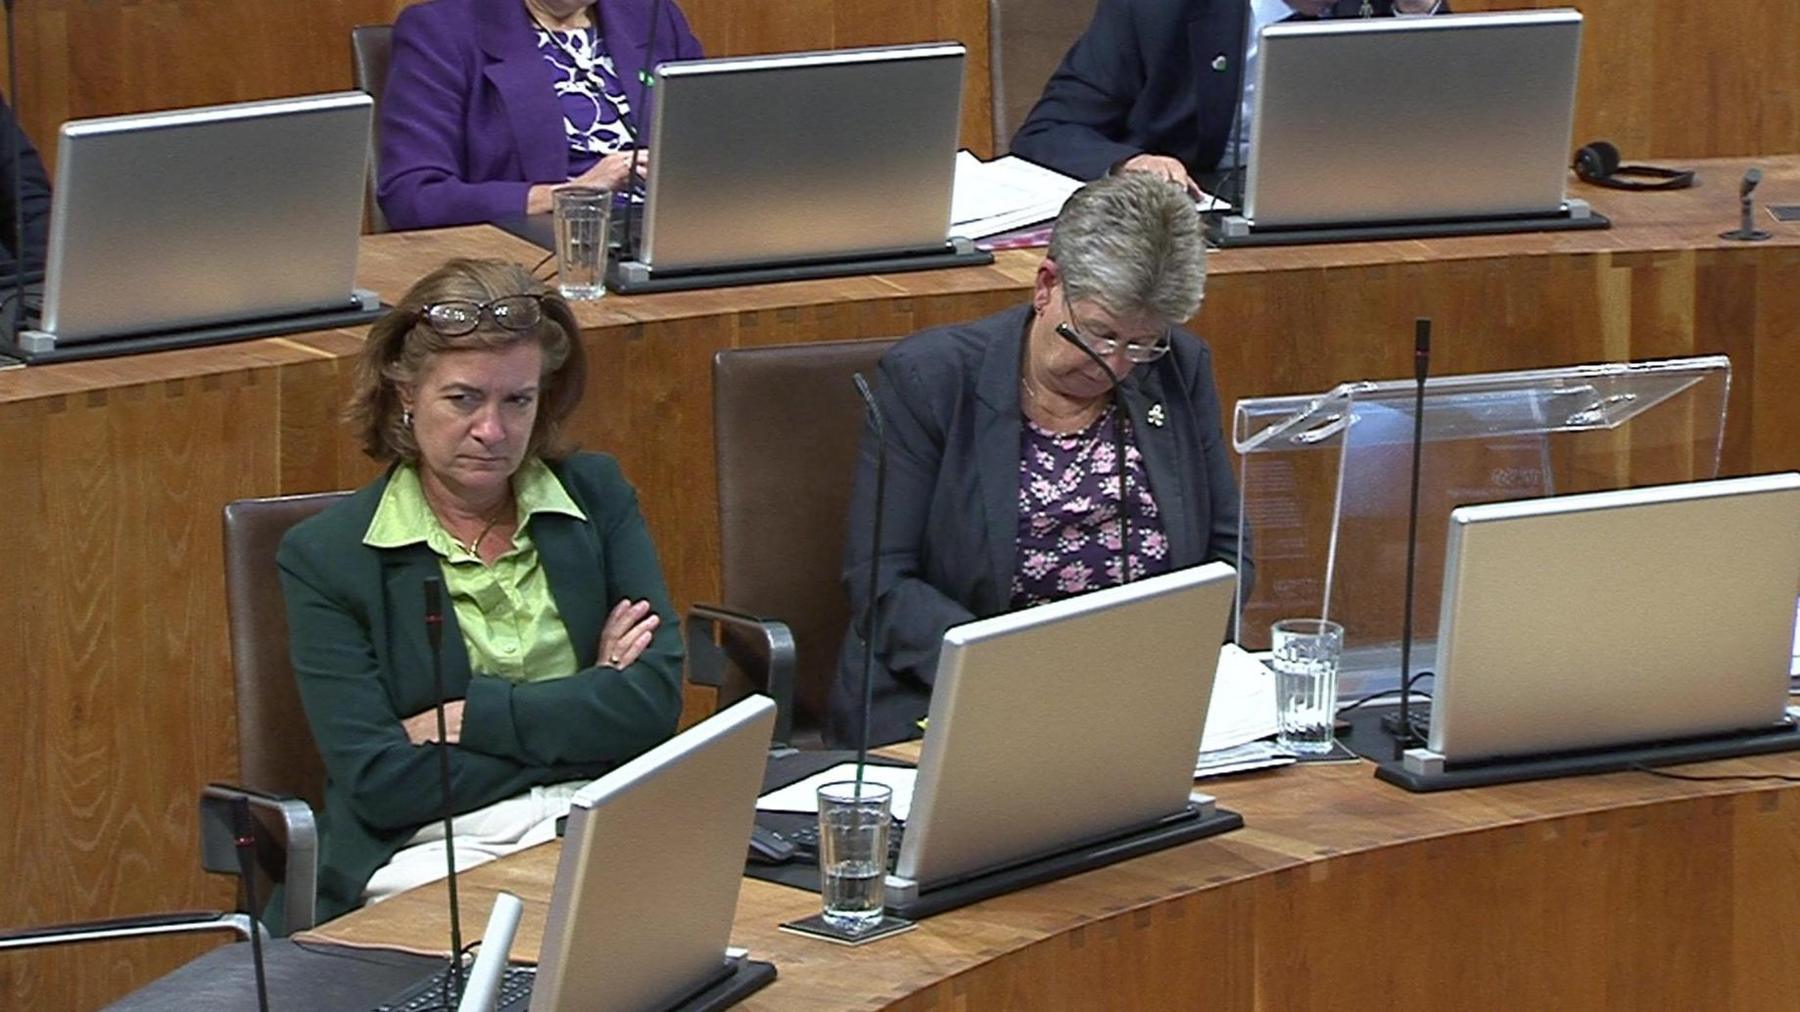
x: 118, y: 468
x: 1622, y: 891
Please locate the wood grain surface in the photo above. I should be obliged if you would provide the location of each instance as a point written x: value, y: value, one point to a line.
x: 83, y: 58
x: 118, y: 469
x: 1670, y: 78
x: 1341, y: 892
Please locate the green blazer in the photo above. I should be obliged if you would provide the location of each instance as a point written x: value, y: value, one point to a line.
x: 357, y: 637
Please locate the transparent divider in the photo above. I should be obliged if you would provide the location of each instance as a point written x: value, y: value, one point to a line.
x: 1325, y: 482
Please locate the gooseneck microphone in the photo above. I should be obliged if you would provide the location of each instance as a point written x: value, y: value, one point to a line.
x: 868, y: 657
x: 1404, y: 736
x: 14, y: 320
x: 434, y: 632
x: 646, y: 77
x: 1747, y: 230
x: 1064, y: 331
x: 243, y: 832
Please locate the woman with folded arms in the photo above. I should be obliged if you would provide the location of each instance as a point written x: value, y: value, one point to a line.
x: 491, y: 105
x: 1003, y: 485
x: 560, y: 651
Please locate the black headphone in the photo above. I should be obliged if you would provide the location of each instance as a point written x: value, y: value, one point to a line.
x: 1598, y: 163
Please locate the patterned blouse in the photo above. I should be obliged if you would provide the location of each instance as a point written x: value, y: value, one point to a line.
x: 592, y: 97
x: 1069, y: 531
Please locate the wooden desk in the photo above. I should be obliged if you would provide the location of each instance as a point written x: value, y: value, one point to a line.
x: 1341, y: 892
x: 115, y: 471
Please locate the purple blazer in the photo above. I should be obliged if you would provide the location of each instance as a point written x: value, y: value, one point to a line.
x: 469, y: 120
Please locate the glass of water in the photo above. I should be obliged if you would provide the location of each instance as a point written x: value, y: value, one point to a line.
x: 582, y: 214
x: 853, y: 848
x: 1306, y: 653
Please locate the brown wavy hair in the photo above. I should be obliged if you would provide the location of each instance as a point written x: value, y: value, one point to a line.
x: 401, y: 344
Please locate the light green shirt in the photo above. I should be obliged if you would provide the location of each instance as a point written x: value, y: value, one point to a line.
x: 508, y: 618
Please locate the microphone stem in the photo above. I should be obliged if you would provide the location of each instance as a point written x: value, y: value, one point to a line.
x: 868, y: 700
x: 434, y: 626
x: 245, y: 831
x: 1403, y: 737
x: 15, y: 317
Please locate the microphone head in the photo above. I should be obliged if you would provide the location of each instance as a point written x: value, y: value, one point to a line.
x: 1751, y: 179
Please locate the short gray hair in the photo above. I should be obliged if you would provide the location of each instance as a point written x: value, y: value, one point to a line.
x: 1132, y: 243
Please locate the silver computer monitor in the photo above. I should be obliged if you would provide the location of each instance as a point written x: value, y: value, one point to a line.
x: 802, y: 156
x: 652, y: 860
x: 1065, y: 723
x: 202, y: 216
x: 1617, y: 617
x: 1461, y: 116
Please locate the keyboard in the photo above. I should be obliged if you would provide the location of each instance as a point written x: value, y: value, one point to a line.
x: 428, y: 995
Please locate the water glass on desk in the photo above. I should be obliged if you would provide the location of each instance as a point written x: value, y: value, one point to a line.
x: 1305, y: 654
x: 583, y: 214
x: 853, y: 848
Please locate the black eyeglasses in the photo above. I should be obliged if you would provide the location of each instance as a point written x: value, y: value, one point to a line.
x: 1103, y: 346
x: 457, y: 317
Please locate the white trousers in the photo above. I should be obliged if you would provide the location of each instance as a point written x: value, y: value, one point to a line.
x: 504, y: 827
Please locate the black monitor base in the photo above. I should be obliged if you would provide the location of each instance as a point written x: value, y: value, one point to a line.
x: 1422, y: 774
x: 1201, y: 822
x: 1231, y: 231
x: 38, y: 349
x: 631, y: 277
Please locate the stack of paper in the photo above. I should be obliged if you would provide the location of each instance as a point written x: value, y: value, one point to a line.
x: 1004, y: 194
x: 1242, y: 711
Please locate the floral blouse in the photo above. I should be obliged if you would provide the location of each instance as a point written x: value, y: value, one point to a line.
x: 1069, y: 530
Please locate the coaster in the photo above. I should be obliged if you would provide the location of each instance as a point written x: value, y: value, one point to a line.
x: 815, y: 927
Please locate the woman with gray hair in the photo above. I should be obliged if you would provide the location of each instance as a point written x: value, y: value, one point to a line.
x: 1003, y: 448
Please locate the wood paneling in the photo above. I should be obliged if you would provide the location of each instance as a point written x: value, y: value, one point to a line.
x: 1341, y: 892
x: 82, y: 58
x: 117, y: 470
x: 1660, y: 78
x: 1679, y: 79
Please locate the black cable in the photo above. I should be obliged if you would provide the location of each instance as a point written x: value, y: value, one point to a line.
x: 540, y: 266
x: 1782, y: 777
x: 1371, y: 697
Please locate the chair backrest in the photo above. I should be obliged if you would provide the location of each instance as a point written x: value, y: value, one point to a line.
x: 1026, y: 40
x: 276, y: 752
x: 370, y: 46
x: 786, y: 423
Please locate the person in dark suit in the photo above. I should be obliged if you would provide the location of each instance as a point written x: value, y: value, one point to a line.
x: 491, y: 105
x: 1155, y: 85
x: 1003, y: 483
x: 34, y: 187
x: 559, y: 645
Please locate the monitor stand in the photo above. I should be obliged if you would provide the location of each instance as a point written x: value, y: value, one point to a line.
x: 1202, y: 818
x: 1234, y: 230
x: 1421, y: 770
x: 37, y: 347
x: 632, y: 277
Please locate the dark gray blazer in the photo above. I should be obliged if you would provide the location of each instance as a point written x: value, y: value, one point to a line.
x: 1157, y: 76
x: 950, y: 398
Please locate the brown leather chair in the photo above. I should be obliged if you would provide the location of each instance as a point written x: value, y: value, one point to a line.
x: 1026, y: 40
x: 786, y: 422
x: 370, y: 46
x: 280, y: 773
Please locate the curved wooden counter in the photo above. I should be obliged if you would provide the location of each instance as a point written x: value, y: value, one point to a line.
x: 116, y: 470
x: 1624, y: 891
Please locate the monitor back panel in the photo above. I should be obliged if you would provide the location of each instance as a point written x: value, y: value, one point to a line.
x: 803, y: 156
x: 651, y: 864
x: 1065, y: 723
x: 208, y: 215
x: 1617, y: 617
x: 1453, y: 117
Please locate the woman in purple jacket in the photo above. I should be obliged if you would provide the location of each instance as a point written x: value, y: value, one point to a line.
x: 493, y: 104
